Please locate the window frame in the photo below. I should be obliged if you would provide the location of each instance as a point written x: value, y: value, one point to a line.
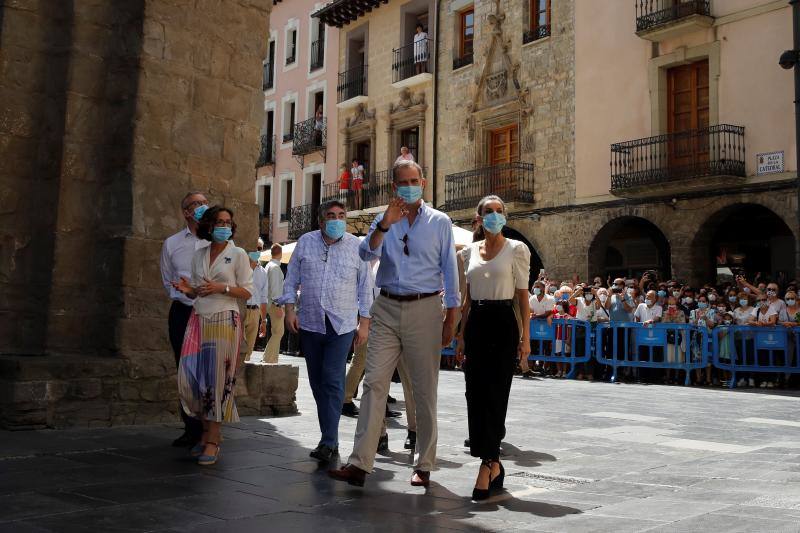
x: 462, y: 27
x: 534, y: 15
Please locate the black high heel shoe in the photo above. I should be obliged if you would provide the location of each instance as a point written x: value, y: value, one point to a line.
x: 482, y: 494
x: 497, y: 483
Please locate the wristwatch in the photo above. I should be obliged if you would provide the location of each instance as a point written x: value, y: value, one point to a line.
x: 380, y: 228
x: 227, y: 289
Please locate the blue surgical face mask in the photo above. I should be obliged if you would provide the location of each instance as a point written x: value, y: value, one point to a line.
x: 494, y: 222
x: 743, y: 302
x: 409, y: 193
x: 731, y: 299
x: 702, y: 305
x: 199, y: 211
x: 537, y: 291
x: 334, y: 229
x: 662, y: 294
x: 254, y: 256
x: 790, y: 302
x: 221, y: 234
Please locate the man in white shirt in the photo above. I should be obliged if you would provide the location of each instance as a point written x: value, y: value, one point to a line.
x: 256, y: 307
x: 649, y: 311
x: 274, y: 310
x: 176, y: 262
x: 542, y: 304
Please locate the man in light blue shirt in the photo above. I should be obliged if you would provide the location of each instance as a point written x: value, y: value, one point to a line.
x: 414, y: 243
x: 336, y: 287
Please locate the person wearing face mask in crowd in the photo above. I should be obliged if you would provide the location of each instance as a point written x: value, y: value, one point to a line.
x: 620, y: 307
x: 541, y: 303
x: 791, y: 315
x: 274, y: 310
x: 688, y: 303
x: 493, y: 339
x: 676, y: 341
x: 703, y: 316
x: 601, y: 316
x: 583, y: 299
x: 176, y: 262
x: 648, y: 313
x: 742, y: 316
x: 551, y: 289
x: 337, y: 288
x: 565, y: 311
x: 255, y: 313
x: 221, y: 277
x: 764, y: 316
x: 732, y: 298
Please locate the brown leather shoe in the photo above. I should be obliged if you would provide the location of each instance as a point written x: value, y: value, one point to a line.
x: 420, y: 478
x: 352, y: 474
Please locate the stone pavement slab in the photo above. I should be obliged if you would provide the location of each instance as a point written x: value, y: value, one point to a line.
x: 579, y: 456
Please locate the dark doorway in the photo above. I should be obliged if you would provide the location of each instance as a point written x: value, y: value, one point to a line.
x: 627, y: 247
x: 410, y: 139
x: 362, y: 153
x: 536, y: 261
x: 316, y: 188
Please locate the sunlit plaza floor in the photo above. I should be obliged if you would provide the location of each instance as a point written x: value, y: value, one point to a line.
x: 579, y: 456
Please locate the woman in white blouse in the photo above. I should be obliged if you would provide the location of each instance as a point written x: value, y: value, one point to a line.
x: 492, y: 338
x: 221, y: 275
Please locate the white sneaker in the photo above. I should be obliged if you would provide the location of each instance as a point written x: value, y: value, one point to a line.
x: 751, y: 382
x: 741, y: 383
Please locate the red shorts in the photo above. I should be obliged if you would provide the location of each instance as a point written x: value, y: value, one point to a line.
x: 344, y: 185
x: 357, y: 185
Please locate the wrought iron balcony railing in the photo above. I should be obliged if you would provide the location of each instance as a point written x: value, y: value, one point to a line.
x: 652, y: 13
x: 412, y: 59
x: 317, y: 54
x: 352, y: 83
x: 309, y: 136
x: 712, y: 151
x: 513, y: 182
x: 462, y: 61
x: 375, y: 191
x: 268, y: 77
x: 540, y: 32
x: 302, y: 219
x: 266, y: 156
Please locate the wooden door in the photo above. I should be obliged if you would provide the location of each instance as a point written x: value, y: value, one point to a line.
x: 503, y: 149
x: 688, y: 109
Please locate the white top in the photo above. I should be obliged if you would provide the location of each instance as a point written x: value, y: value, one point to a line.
x: 779, y: 308
x: 499, y: 277
x: 540, y: 308
x: 357, y: 173
x: 584, y: 311
x: 176, y: 261
x: 644, y: 313
x: 763, y: 316
x: 231, y: 267
x: 420, y: 47
x: 401, y: 158
x: 743, y: 316
x: 260, y: 292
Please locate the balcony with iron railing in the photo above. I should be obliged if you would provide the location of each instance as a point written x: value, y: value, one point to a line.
x: 317, y: 54
x: 412, y: 64
x: 287, y: 137
x: 534, y: 34
x: 310, y: 136
x: 657, y: 20
x: 302, y: 219
x: 674, y: 162
x: 266, y: 155
x: 513, y: 182
x: 376, y: 191
x: 351, y: 88
x: 268, y: 77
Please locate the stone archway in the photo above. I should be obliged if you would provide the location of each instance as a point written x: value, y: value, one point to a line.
x: 628, y: 246
x: 745, y: 238
x: 536, y: 261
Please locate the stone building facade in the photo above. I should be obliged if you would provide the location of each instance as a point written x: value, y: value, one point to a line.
x: 588, y: 87
x: 111, y: 112
x: 385, y: 90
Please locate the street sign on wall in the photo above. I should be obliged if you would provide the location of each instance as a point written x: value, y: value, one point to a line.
x: 769, y: 163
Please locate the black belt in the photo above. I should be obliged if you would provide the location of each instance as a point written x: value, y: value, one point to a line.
x: 493, y: 303
x: 253, y: 306
x: 408, y: 297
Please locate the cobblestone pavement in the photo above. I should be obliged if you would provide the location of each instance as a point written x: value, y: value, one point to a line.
x: 579, y: 456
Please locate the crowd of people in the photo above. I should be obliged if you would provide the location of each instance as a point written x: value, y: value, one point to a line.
x: 397, y: 298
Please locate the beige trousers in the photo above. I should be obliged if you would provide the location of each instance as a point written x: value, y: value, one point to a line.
x: 251, y: 321
x: 356, y: 371
x: 411, y: 332
x: 274, y: 343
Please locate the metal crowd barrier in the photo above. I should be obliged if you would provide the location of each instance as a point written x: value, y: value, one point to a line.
x: 632, y: 344
x: 756, y: 349
x: 561, y: 341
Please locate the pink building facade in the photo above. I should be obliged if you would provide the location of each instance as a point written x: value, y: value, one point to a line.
x: 297, y: 162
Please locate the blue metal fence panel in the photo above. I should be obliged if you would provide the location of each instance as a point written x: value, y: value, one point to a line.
x: 756, y: 349
x: 631, y: 344
x: 561, y: 341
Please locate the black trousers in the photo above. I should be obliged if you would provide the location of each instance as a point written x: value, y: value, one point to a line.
x: 178, y: 319
x: 490, y: 345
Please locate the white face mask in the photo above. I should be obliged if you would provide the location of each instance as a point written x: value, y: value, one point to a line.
x: 712, y: 297
x: 629, y: 291
x: 603, y: 297
x: 650, y: 303
x: 588, y: 297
